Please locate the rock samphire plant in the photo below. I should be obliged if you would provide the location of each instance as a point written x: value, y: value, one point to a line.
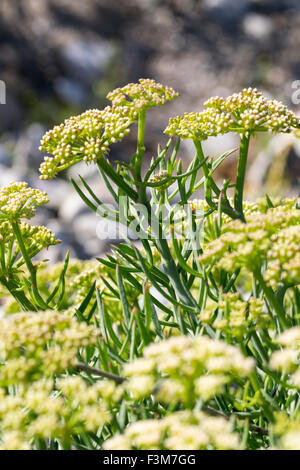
x: 186, y: 338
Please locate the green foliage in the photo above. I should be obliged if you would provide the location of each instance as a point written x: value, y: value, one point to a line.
x: 186, y: 339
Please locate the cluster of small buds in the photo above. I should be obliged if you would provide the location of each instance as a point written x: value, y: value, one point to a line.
x: 183, y: 430
x: 142, y: 95
x: 18, y: 201
x: 248, y: 245
x: 182, y: 369
x: 286, y: 432
x: 81, y: 282
x: 43, y: 411
x: 286, y: 359
x: 199, y: 126
x: 284, y: 258
x: 199, y: 207
x: 6, y: 233
x: 85, y: 137
x: 37, y: 237
x: 247, y: 111
x: 40, y: 344
x: 159, y: 178
x: 234, y: 315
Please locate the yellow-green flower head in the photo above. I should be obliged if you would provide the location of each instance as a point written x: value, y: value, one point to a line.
x: 62, y: 410
x: 183, y: 430
x: 85, y: 137
x: 18, y: 201
x: 182, y: 369
x: 247, y: 111
x: 35, y: 344
x: 284, y: 257
x: 234, y: 315
x: 286, y: 359
x: 139, y: 96
x: 200, y: 126
x: 250, y: 244
x: 286, y: 431
x: 37, y: 237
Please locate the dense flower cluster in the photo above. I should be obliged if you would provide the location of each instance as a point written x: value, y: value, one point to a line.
x: 184, y: 430
x: 18, y: 201
x: 181, y: 369
x: 199, y: 208
x: 35, y: 344
x: 286, y: 432
x: 287, y: 358
x: 60, y: 411
x: 250, y: 244
x: 247, y: 111
x: 142, y: 95
x: 233, y: 315
x: 37, y: 237
x: 284, y: 258
x: 85, y: 137
x: 88, y: 136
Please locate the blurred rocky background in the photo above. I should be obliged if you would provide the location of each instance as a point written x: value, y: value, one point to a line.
x: 60, y: 57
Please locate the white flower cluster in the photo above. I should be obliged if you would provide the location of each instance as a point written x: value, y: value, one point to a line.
x: 286, y: 431
x: 43, y: 411
x: 184, y: 430
x: 234, y: 315
x: 182, y: 369
x: 287, y: 358
x: 44, y: 343
x: 249, y: 245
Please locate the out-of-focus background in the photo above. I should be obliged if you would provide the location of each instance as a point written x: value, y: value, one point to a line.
x: 60, y: 57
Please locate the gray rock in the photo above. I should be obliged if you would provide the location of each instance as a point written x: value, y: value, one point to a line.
x: 71, y: 91
x: 226, y: 11
x: 276, y: 5
x: 11, y: 113
x: 57, y: 189
x: 86, y: 60
x: 5, y: 158
x: 27, y: 154
x: 256, y: 26
x: 11, y: 174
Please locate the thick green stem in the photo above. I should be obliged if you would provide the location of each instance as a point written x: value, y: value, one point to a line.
x: 142, y: 192
x: 140, y: 145
x: 272, y: 300
x: 240, y: 175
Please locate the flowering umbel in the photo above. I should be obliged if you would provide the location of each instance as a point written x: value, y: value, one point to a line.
x: 18, y: 201
x: 85, y: 137
x: 88, y: 136
x: 182, y: 369
x: 142, y: 95
x: 247, y: 111
x: 40, y: 344
x: 184, y: 430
